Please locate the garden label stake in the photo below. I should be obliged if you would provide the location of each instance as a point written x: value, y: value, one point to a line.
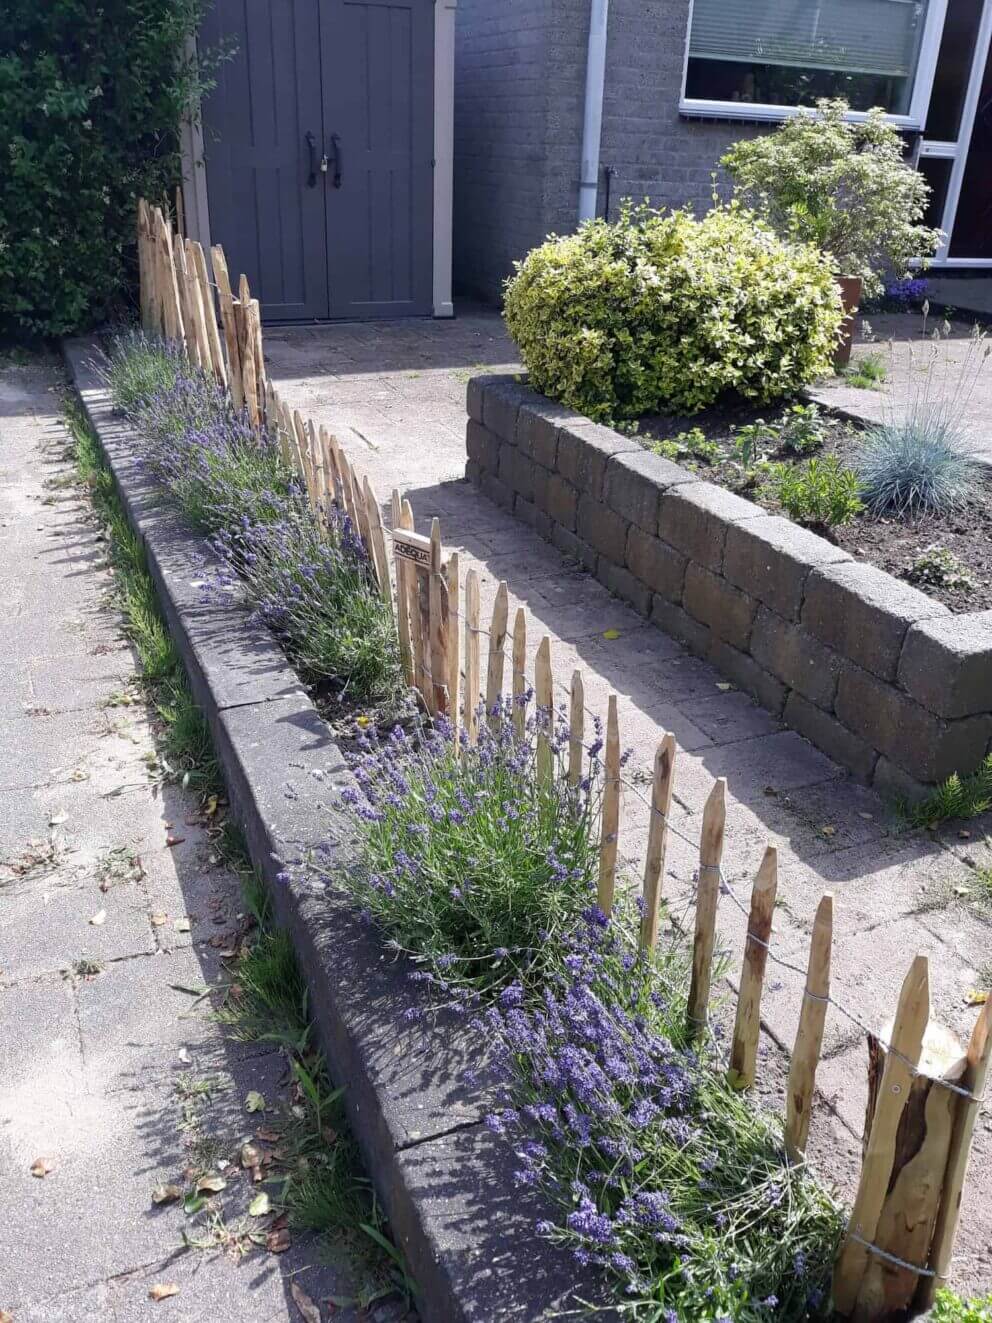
x: 518, y: 679
x: 912, y: 1015
x: 576, y: 728
x: 611, y: 810
x: 544, y: 698
x: 707, y: 897
x: 809, y: 1035
x: 497, y: 639
x: 472, y: 657
x: 747, y: 1025
x: 654, y: 860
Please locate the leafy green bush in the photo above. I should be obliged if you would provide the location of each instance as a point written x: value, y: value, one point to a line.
x: 842, y: 186
x: 91, y: 99
x: 661, y: 311
x: 950, y: 1308
x: 821, y: 493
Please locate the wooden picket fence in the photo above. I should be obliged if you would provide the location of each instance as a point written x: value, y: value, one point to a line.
x: 925, y: 1089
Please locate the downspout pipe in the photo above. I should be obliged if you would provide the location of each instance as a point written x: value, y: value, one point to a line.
x: 592, y: 117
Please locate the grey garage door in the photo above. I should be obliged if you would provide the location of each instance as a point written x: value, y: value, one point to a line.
x: 318, y: 142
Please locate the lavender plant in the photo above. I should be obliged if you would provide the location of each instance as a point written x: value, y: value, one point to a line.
x: 308, y: 578
x: 666, y: 1178
x: 470, y: 862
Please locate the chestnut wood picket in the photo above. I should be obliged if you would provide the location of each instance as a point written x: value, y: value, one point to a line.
x: 880, y: 1265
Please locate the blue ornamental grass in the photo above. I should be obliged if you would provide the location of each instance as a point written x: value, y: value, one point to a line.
x: 308, y: 579
x: 917, y: 467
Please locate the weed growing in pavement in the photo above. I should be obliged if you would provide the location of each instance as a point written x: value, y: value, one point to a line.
x: 469, y: 861
x: 309, y: 580
x: 867, y: 372
x: 185, y: 745
x: 957, y: 797
x: 663, y: 1176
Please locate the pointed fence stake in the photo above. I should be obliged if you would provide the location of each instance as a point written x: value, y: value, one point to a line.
x: 654, y: 860
x: 707, y: 898
x: 229, y: 322
x: 747, y: 1025
x: 809, y: 1035
x: 454, y: 638
x: 438, y: 633
x: 908, y: 1029
x: 402, y: 595
x: 544, y: 697
x: 472, y: 661
x: 379, y: 558
x: 609, y: 841
x: 518, y: 680
x: 497, y: 643
x: 576, y: 728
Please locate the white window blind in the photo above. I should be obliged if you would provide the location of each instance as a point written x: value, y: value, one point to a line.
x: 851, y: 36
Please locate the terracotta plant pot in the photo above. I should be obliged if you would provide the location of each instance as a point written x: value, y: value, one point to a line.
x: 850, y: 297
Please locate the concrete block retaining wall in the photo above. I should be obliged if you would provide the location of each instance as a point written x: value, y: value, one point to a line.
x: 882, y: 678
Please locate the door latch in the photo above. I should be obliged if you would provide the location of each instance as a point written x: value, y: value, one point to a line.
x: 323, y: 165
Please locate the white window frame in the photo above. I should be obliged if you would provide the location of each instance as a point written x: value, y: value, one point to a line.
x: 749, y: 110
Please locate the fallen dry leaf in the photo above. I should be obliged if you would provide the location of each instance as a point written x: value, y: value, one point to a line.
x: 259, y: 1206
x: 250, y: 1156
x: 277, y: 1242
x: 99, y: 918
x: 976, y: 997
x: 308, y: 1310
x: 212, y: 1184
x: 170, y: 841
x: 267, y: 1134
x: 158, y: 918
x: 254, y: 1101
x: 166, y: 1194
x: 829, y: 830
x: 41, y: 1167
x: 611, y: 634
x: 184, y: 1056
x: 162, y: 1290
x: 57, y: 819
x: 182, y: 925
x: 5, y: 1317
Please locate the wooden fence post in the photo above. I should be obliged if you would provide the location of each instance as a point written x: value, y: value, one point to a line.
x: 707, y: 898
x: 497, y: 642
x: 654, y: 860
x: 172, y: 309
x: 144, y: 268
x: 576, y: 728
x: 974, y: 1080
x: 609, y: 841
x: 472, y: 662
x: 518, y: 680
x: 747, y: 1024
x: 809, y: 1035
x: 437, y: 600
x: 379, y: 558
x: 544, y: 697
x: 210, y: 313
x: 230, y: 325
x: 908, y: 1029
x: 454, y: 638
x: 402, y: 596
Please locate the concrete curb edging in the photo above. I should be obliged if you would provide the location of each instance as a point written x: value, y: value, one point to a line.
x: 466, y: 1229
x: 882, y: 678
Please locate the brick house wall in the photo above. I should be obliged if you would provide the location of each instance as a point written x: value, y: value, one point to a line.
x: 519, y: 88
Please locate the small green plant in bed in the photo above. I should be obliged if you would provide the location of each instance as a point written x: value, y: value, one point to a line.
x: 820, y: 493
x: 470, y: 861
x: 693, y: 444
x: 951, y: 1308
x: 957, y: 797
x: 803, y: 429
x: 752, y: 441
x: 867, y: 372
x: 937, y: 567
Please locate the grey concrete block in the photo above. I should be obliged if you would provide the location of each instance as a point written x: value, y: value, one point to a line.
x: 561, y: 501
x: 864, y: 613
x: 680, y: 625
x: 482, y: 446
x: 946, y: 664
x: 473, y: 398
x: 538, y: 423
x: 790, y: 652
x: 745, y: 672
x: 522, y: 474
x: 497, y: 491
x: 923, y: 745
x: 625, y: 585
x: 772, y: 557
x: 717, y: 603
x: 573, y: 546
x: 473, y: 472
x: 501, y: 400
x: 584, y: 450
x: 602, y: 528
x: 892, y: 783
x: 655, y: 563
x: 634, y: 483
x: 695, y: 518
x: 828, y: 734
x: 533, y: 517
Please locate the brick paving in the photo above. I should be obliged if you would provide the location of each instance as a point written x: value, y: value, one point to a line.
x: 395, y: 395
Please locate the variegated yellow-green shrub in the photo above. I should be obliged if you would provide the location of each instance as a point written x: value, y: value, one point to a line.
x: 661, y: 311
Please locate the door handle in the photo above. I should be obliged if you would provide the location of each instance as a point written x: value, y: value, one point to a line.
x: 336, y: 154
x: 311, y: 142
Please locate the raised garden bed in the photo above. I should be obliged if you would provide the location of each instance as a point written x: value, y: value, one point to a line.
x: 878, y: 674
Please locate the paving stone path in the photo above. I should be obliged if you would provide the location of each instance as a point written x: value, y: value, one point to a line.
x: 395, y: 395
x: 116, y: 1078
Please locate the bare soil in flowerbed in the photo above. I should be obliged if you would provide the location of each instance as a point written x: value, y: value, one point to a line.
x: 902, y: 547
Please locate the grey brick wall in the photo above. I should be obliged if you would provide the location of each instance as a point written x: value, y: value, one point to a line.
x: 519, y: 88
x: 878, y: 675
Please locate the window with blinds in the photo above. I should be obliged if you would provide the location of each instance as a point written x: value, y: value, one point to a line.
x: 789, y: 52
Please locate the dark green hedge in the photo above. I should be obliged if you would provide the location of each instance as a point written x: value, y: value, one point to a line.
x: 92, y: 93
